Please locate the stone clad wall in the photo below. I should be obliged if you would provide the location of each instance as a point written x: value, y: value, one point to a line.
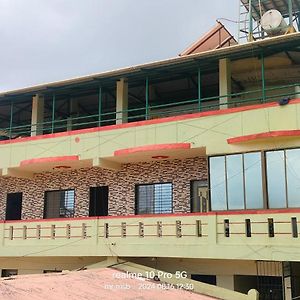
x: 121, y: 185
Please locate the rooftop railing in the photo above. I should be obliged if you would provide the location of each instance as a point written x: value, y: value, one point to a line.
x: 149, y: 112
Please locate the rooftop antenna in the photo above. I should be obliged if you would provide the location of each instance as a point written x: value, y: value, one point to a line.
x: 259, y: 19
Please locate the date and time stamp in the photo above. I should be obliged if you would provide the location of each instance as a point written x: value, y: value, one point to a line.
x: 159, y: 281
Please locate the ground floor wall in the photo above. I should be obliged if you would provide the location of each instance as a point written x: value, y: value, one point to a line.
x: 121, y: 186
x: 238, y: 275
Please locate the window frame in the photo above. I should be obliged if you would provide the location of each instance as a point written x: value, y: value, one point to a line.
x: 285, y: 176
x: 263, y: 178
x: 58, y: 190
x: 136, y: 210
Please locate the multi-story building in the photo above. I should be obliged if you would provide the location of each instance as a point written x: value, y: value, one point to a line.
x: 189, y: 164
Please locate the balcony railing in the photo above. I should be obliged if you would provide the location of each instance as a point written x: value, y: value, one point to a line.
x: 245, y: 235
x: 152, y: 111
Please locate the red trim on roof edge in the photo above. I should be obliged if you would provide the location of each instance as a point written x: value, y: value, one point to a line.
x: 215, y: 213
x: 263, y: 135
x: 48, y: 159
x: 148, y: 148
x: 147, y: 122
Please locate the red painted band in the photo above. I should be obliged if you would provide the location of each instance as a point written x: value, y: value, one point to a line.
x: 49, y: 159
x: 211, y: 213
x: 148, y: 148
x: 147, y: 122
x: 263, y: 135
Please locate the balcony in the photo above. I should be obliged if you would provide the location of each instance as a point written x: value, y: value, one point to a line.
x: 206, y: 133
x: 243, y: 235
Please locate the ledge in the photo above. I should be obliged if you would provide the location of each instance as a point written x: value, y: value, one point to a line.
x: 263, y: 135
x: 148, y: 148
x: 48, y: 160
x: 170, y: 215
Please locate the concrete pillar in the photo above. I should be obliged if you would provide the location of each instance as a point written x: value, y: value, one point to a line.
x: 297, y: 92
x: 74, y: 109
x: 224, y: 81
x: 288, y: 288
x: 37, y: 115
x: 122, y: 101
x: 225, y: 281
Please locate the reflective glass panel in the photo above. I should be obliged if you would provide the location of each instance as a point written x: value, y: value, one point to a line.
x: 253, y: 180
x: 235, y: 186
x: 276, y: 179
x: 217, y: 183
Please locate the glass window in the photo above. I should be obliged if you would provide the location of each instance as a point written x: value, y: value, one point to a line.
x: 154, y: 198
x: 235, y: 185
x: 293, y: 177
x: 276, y: 179
x: 59, y: 204
x: 253, y: 180
x: 217, y: 183
x: 236, y: 180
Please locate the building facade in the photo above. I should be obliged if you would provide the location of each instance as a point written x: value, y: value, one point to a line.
x: 189, y: 164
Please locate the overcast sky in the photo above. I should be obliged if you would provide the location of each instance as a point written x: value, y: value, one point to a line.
x: 49, y: 40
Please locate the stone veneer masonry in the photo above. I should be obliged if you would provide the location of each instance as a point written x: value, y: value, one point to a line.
x: 121, y: 185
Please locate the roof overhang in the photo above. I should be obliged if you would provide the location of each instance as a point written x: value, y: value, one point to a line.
x: 177, y: 64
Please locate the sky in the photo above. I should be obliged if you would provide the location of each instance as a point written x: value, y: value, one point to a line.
x: 49, y: 40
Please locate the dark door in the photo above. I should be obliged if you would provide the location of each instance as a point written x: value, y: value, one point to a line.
x: 98, y: 201
x: 199, y: 196
x: 13, y: 206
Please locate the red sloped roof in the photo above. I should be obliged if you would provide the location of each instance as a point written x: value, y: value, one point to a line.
x: 217, y: 37
x: 95, y: 284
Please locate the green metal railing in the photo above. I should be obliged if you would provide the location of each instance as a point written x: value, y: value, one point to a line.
x: 148, y: 111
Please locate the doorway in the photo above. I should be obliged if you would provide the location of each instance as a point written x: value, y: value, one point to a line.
x: 13, y: 206
x: 98, y: 201
x: 199, y: 196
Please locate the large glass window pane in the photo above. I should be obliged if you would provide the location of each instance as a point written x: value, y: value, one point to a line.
x: 217, y: 183
x: 293, y: 177
x: 235, y: 186
x: 276, y: 179
x: 253, y: 180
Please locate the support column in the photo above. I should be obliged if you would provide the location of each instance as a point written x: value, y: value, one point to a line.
x: 297, y: 92
x: 37, y: 115
x: 225, y: 281
x: 122, y: 101
x: 290, y: 9
x: 74, y: 108
x: 224, y: 82
x: 250, y: 34
x: 263, y: 81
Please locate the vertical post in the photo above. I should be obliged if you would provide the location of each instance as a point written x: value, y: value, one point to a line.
x: 199, y: 89
x: 53, y: 113
x: 99, y: 105
x: 37, y: 115
x: 11, y: 118
x: 147, y: 98
x: 250, y: 34
x: 224, y: 82
x: 122, y: 101
x: 263, y: 82
x: 298, y: 20
x: 290, y: 8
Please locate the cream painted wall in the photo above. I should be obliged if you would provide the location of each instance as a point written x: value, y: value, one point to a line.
x: 225, y: 281
x: 210, y: 132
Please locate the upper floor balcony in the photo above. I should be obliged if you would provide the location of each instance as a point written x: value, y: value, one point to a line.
x: 248, y: 235
x: 201, y: 104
